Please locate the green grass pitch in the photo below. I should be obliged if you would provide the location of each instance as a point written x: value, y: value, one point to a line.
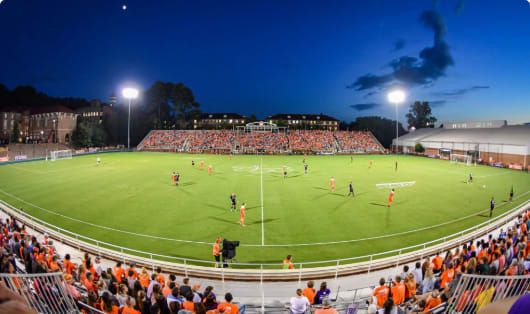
x: 133, y: 192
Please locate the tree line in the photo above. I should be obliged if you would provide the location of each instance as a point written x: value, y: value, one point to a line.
x: 167, y: 105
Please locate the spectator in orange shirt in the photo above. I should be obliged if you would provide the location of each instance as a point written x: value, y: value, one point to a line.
x: 144, y: 278
x: 89, y: 283
x: 135, y: 273
x: 129, y: 308
x: 159, y: 277
x: 106, y: 304
x: 434, y: 301
x: 188, y: 304
x: 437, y: 261
x: 398, y: 291
x: 310, y: 292
x: 228, y: 306
x: 118, y: 272
x: 326, y: 308
x: 447, y: 275
x: 381, y: 293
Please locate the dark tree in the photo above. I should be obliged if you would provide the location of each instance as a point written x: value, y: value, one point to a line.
x: 15, y: 134
x: 419, y: 115
x: 382, y: 128
x: 88, y: 134
x: 173, y: 103
x: 252, y: 118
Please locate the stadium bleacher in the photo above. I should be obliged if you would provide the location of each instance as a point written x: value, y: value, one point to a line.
x: 466, y: 279
x: 308, y: 141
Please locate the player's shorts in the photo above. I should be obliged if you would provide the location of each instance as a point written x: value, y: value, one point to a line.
x: 233, y: 203
x: 217, y: 258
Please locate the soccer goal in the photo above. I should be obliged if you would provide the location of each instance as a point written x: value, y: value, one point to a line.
x: 60, y: 154
x: 458, y: 158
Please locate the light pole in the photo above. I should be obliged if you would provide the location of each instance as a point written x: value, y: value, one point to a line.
x: 129, y: 93
x: 396, y: 97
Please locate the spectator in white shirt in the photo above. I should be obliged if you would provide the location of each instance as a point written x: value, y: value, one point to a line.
x: 418, y: 275
x: 299, y: 303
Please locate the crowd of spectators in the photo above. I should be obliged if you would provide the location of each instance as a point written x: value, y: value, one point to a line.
x: 262, y: 141
x: 208, y: 140
x: 316, y: 141
x: 433, y: 282
x: 311, y: 140
x: 163, y: 139
x: 356, y: 141
x: 120, y: 289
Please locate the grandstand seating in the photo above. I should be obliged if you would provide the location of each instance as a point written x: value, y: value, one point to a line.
x: 459, y: 275
x: 310, y: 141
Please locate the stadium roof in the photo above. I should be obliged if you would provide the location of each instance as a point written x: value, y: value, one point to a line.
x: 49, y: 109
x: 301, y: 116
x: 512, y: 135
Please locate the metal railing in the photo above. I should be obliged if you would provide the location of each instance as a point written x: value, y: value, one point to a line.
x: 258, y: 271
x: 473, y: 292
x: 46, y: 293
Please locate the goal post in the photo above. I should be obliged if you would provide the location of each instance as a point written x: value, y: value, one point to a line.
x: 459, y: 158
x: 60, y: 154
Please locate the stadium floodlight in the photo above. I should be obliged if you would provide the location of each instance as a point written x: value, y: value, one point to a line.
x: 396, y: 97
x: 129, y: 93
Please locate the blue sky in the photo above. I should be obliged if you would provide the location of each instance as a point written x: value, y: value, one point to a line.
x: 266, y: 57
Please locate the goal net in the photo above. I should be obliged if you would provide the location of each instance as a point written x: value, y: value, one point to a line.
x: 458, y: 158
x: 60, y: 154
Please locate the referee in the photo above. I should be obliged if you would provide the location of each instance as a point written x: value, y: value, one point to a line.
x: 351, y: 190
x: 492, y: 205
x: 233, y: 200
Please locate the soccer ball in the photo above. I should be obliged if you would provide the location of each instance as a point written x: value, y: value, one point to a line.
x: 484, y: 186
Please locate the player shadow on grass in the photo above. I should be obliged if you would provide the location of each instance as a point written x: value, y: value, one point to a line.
x: 188, y: 183
x: 379, y: 204
x: 223, y: 208
x: 263, y: 221
x: 232, y: 222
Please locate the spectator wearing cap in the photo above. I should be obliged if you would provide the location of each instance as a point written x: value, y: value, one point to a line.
x: 326, y: 308
x: 228, y: 306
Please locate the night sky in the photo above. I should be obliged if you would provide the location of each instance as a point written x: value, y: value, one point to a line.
x: 470, y: 59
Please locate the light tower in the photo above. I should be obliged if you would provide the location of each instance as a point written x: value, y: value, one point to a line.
x: 129, y: 93
x: 396, y: 97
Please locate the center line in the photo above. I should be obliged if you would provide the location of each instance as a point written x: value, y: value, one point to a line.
x: 262, y: 222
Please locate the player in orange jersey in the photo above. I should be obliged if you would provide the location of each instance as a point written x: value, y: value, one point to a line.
x: 230, y: 156
x: 332, y: 184
x: 174, y: 178
x: 210, y: 169
x: 242, y: 215
x: 390, y: 198
x: 371, y: 163
x: 202, y: 164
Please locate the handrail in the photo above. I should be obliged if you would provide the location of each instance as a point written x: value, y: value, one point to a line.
x: 52, y: 228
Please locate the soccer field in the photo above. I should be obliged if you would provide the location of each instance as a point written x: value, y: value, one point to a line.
x: 132, y: 193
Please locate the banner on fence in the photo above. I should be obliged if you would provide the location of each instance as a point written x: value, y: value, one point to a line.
x: 4, y: 159
x: 516, y: 167
x: 21, y: 157
x: 394, y: 185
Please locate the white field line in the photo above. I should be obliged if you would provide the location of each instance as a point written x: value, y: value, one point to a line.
x: 262, y: 222
x: 255, y: 245
x: 27, y: 170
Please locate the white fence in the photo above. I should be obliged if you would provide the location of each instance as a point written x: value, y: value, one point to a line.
x: 46, y: 293
x: 265, y: 271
